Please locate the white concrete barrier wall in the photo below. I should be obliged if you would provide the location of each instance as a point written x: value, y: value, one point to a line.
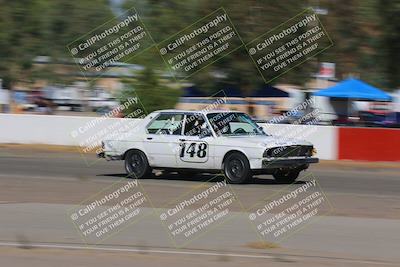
x: 51, y: 130
x: 74, y: 131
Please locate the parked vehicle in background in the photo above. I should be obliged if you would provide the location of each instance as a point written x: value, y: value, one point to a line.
x: 76, y: 98
x: 379, y: 114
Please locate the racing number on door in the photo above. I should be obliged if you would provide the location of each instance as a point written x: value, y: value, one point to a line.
x: 194, y: 152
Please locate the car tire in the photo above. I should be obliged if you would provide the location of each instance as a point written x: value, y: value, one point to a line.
x: 236, y: 168
x: 137, y: 165
x: 286, y: 176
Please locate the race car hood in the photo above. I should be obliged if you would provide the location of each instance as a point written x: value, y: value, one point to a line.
x: 263, y: 141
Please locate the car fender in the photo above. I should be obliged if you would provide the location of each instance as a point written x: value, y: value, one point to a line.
x: 252, y: 154
x: 138, y: 145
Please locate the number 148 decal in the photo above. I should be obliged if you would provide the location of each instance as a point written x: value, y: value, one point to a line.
x: 194, y: 152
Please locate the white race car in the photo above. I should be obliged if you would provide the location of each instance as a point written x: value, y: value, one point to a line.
x: 208, y: 142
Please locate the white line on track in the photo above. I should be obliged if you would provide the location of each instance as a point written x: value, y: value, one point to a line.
x: 38, y: 245
x: 180, y: 252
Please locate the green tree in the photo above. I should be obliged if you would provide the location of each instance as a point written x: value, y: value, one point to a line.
x: 251, y: 18
x: 389, y: 12
x: 151, y: 91
x: 29, y: 28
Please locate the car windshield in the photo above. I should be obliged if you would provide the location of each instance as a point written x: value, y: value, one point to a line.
x: 233, y: 124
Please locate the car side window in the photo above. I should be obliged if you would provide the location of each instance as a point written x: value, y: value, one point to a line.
x: 168, y: 124
x: 195, y: 125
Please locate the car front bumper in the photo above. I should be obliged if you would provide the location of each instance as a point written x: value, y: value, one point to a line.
x: 274, y: 163
x: 107, y: 156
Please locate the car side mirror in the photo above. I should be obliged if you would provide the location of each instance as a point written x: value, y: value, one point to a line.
x: 260, y: 128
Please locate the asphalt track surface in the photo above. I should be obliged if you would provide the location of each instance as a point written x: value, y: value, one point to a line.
x: 37, y: 188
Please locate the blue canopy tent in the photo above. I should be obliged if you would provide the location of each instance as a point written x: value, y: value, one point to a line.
x: 356, y: 90
x: 264, y: 91
x: 192, y: 91
x: 351, y: 90
x: 269, y: 91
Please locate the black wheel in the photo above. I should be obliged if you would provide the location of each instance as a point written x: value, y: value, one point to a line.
x: 286, y: 176
x: 136, y: 164
x: 236, y: 168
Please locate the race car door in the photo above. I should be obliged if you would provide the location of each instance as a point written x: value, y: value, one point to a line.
x: 196, y: 147
x: 162, y: 140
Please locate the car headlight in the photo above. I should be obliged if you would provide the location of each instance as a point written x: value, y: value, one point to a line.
x: 314, y: 151
x: 267, y: 153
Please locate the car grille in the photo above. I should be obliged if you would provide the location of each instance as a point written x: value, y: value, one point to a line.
x: 289, y: 151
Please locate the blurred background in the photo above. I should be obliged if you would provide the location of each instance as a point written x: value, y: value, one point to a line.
x: 50, y: 114
x: 38, y: 75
